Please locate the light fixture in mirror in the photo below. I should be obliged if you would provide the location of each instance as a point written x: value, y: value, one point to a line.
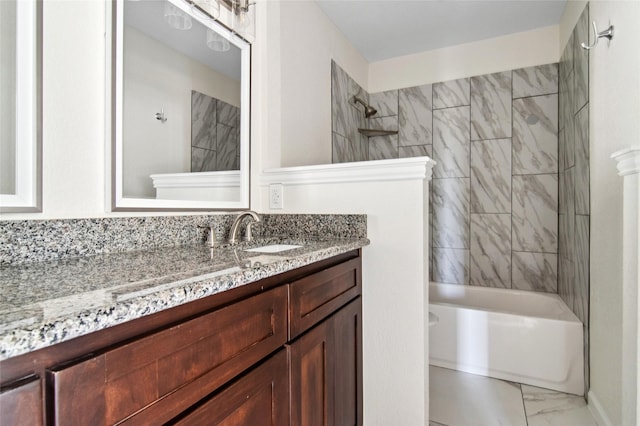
x: 20, y: 106
x: 180, y: 110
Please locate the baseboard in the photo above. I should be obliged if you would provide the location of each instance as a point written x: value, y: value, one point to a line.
x: 597, y: 411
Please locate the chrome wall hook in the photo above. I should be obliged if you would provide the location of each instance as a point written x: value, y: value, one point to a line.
x: 160, y: 116
x: 608, y: 33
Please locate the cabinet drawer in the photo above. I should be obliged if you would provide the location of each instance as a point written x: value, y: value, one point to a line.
x: 21, y: 404
x: 315, y: 297
x: 155, y: 378
x: 259, y: 398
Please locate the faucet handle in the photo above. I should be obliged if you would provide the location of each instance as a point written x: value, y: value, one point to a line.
x: 212, y: 240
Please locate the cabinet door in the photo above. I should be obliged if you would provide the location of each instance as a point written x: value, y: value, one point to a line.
x: 347, y: 324
x: 259, y: 398
x: 22, y: 404
x: 326, y: 371
x: 312, y: 377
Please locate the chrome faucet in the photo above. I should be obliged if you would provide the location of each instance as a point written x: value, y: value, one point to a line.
x: 233, y: 234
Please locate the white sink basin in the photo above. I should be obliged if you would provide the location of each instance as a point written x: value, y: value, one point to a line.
x: 274, y: 248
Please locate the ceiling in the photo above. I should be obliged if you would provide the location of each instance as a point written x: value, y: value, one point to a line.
x: 383, y: 29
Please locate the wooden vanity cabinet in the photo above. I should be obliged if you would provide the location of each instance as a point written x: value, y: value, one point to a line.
x: 283, y: 350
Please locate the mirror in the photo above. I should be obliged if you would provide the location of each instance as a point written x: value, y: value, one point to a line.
x: 20, y: 106
x: 181, y: 109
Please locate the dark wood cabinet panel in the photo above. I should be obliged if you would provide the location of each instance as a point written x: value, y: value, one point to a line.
x: 326, y: 371
x: 348, y: 364
x: 312, y: 377
x: 164, y: 373
x: 315, y: 297
x: 259, y: 398
x: 21, y: 403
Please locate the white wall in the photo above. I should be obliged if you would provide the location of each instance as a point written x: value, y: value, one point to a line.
x: 536, y: 47
x: 614, y: 100
x: 157, y: 76
x: 309, y: 41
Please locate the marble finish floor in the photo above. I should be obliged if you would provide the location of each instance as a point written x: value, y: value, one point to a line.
x: 462, y: 399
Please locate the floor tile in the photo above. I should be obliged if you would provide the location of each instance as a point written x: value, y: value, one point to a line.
x: 461, y: 399
x: 550, y: 408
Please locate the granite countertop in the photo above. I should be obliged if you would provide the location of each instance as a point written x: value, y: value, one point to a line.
x: 44, y: 303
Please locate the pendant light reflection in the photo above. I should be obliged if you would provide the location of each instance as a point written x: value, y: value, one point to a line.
x: 216, y: 42
x: 176, y: 18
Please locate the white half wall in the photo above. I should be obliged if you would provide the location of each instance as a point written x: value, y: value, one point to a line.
x: 525, y: 49
x: 394, y: 195
x: 614, y: 112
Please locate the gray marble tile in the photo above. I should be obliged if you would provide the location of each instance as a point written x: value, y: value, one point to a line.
x: 228, y: 146
x: 343, y: 151
x: 228, y: 114
x: 450, y: 265
x: 452, y: 93
x: 383, y: 147
x: 491, y: 106
x: 383, y: 123
x: 581, y: 61
x: 451, y: 142
x: 385, y: 102
x: 567, y: 213
x: 451, y: 212
x: 345, y: 115
x: 581, y: 302
x: 561, y: 150
x: 535, y: 135
x: 569, y: 151
x: 565, y: 100
x: 535, y: 213
x: 202, y: 160
x: 566, y: 60
x: 545, y: 407
x: 491, y: 176
x: 582, y: 161
x: 566, y: 281
x: 490, y: 253
x: 534, y: 81
x: 415, y: 116
x: 415, y: 151
x: 203, y: 121
x: 534, y: 271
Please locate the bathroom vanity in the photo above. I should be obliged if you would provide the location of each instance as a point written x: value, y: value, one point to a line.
x: 284, y: 347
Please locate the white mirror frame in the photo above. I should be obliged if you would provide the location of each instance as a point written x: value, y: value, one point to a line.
x: 118, y: 201
x: 28, y: 154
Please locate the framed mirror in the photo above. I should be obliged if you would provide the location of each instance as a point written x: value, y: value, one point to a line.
x: 20, y: 106
x: 180, y: 93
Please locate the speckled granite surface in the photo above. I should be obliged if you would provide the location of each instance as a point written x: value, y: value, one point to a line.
x: 47, y: 302
x: 26, y: 241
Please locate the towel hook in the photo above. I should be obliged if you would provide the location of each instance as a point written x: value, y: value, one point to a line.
x: 608, y: 33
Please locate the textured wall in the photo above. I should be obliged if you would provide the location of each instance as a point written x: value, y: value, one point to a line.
x: 573, y: 223
x: 494, y: 199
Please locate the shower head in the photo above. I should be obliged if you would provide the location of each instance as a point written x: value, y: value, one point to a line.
x: 368, y: 109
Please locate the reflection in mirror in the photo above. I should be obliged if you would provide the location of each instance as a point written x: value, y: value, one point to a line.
x: 181, y: 136
x: 20, y: 105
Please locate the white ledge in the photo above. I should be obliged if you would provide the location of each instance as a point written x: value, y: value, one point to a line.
x: 413, y: 168
x: 197, y: 180
x: 628, y: 160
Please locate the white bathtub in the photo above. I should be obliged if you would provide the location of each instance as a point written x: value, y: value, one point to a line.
x: 521, y: 336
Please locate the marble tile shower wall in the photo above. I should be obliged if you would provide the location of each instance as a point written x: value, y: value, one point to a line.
x: 215, y: 134
x: 494, y: 193
x: 573, y: 222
